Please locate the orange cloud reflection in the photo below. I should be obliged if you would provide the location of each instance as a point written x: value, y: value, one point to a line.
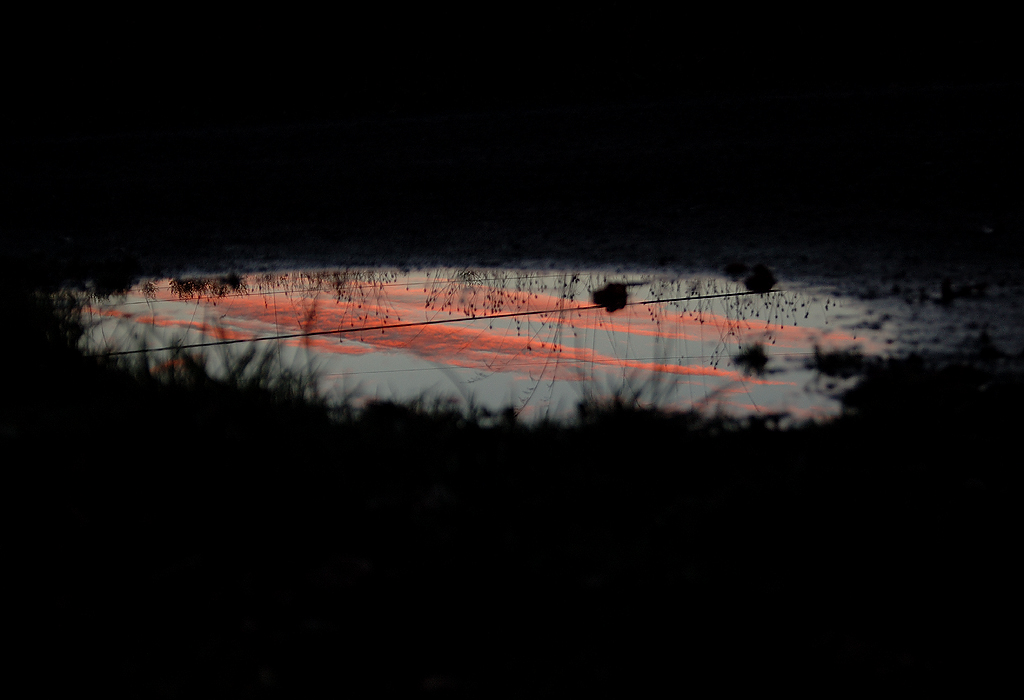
x: 361, y: 313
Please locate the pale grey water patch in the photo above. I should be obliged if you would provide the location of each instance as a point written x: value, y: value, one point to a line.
x: 531, y: 340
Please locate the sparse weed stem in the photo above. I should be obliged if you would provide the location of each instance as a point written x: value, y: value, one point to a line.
x: 621, y: 408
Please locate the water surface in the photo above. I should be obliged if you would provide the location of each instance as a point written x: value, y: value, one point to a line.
x: 492, y: 339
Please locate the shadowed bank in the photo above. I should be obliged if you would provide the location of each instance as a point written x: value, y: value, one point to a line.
x: 184, y: 534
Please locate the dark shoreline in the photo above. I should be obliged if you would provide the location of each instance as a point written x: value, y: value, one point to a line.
x: 893, y: 181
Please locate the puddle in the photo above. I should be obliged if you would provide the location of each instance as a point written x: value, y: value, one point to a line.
x: 491, y: 339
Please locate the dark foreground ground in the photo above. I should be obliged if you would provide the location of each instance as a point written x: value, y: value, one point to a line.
x: 179, y: 537
x: 174, y: 536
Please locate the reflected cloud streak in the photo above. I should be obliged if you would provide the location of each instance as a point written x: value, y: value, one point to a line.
x: 676, y: 345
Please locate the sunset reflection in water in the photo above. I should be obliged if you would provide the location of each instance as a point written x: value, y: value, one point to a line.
x: 532, y: 340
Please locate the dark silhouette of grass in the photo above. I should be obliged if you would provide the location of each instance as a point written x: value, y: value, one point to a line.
x: 184, y: 535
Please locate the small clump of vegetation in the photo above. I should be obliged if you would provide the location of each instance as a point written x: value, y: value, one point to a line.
x: 753, y: 359
x: 842, y: 364
x: 236, y: 533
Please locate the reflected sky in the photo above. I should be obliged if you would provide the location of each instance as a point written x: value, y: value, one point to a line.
x: 532, y: 340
